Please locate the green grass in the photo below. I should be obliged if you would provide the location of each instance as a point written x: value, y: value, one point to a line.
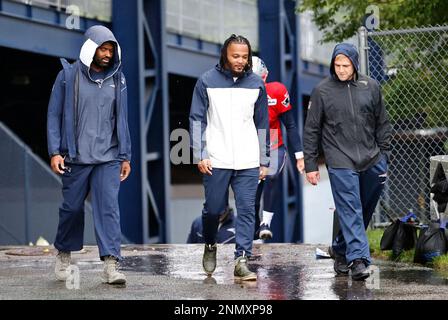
x: 405, y: 256
x: 374, y: 236
x: 440, y: 264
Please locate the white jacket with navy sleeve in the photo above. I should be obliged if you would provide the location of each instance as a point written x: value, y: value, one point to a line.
x: 229, y: 121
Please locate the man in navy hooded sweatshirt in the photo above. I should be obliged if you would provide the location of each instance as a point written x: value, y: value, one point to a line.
x: 89, y: 145
x: 347, y: 117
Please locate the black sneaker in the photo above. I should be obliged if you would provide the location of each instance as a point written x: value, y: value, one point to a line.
x: 264, y: 232
x: 340, y: 263
x: 359, y: 270
x: 209, y: 258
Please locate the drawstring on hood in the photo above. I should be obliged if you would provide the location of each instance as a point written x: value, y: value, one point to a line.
x: 348, y: 50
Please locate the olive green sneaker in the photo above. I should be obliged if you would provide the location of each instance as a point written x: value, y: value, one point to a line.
x: 242, y: 271
x: 209, y: 258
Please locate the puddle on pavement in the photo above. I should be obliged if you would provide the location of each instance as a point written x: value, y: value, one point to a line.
x: 427, y: 276
x: 155, y: 264
x: 278, y: 281
x: 273, y: 282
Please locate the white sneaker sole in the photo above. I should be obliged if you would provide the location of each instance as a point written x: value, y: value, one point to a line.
x: 247, y: 278
x: 61, y: 278
x: 116, y: 281
x: 265, y: 235
x: 208, y: 272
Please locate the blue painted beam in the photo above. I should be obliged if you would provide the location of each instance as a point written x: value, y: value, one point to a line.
x: 188, y: 57
x: 125, y: 26
x: 40, y: 30
x: 139, y: 26
x: 189, y: 63
x: 39, y: 38
x: 279, y: 34
x: 159, y: 176
x: 269, y: 34
x: 272, y: 51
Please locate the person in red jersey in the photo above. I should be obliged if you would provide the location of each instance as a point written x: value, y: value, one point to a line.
x: 280, y: 112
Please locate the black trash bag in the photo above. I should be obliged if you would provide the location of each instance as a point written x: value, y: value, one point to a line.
x: 405, y: 238
x: 387, y: 240
x: 430, y: 244
x: 400, y: 235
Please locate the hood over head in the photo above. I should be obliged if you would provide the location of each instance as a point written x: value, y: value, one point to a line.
x: 95, y: 37
x: 350, y: 51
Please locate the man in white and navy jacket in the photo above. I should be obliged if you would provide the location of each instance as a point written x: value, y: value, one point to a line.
x: 229, y: 128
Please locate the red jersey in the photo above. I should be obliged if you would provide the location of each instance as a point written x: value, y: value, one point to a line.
x: 278, y: 103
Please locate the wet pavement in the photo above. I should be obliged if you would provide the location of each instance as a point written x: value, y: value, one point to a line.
x: 174, y: 272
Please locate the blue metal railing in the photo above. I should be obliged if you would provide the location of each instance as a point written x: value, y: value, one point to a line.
x: 30, y: 194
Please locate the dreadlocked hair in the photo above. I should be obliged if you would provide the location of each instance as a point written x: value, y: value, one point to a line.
x: 235, y: 39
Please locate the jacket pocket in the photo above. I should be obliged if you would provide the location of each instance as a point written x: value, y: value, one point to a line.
x: 334, y: 118
x: 368, y: 123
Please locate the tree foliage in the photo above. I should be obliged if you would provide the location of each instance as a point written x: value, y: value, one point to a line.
x: 418, y: 92
x: 339, y: 19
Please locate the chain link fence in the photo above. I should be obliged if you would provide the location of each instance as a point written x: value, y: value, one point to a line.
x: 412, y: 68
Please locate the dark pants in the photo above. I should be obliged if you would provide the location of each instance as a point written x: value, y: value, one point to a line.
x: 103, y: 181
x: 356, y: 195
x: 270, y: 188
x: 244, y: 186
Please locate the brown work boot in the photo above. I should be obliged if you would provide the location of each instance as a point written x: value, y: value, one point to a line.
x: 62, y: 264
x: 111, y: 274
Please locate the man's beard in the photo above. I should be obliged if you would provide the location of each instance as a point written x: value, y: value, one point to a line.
x: 237, y: 73
x: 100, y: 63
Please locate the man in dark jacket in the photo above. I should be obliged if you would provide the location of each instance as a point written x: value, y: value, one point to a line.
x: 347, y: 117
x: 89, y: 145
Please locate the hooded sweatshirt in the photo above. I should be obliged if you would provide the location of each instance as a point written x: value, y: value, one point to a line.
x: 348, y: 119
x: 87, y: 112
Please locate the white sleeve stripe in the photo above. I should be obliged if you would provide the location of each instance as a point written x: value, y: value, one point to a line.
x: 299, y: 155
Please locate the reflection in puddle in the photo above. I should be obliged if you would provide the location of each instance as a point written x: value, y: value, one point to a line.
x: 154, y: 264
x: 274, y: 282
x: 278, y: 277
x: 427, y: 276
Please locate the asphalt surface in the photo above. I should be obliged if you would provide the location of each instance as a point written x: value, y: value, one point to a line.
x: 174, y: 272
